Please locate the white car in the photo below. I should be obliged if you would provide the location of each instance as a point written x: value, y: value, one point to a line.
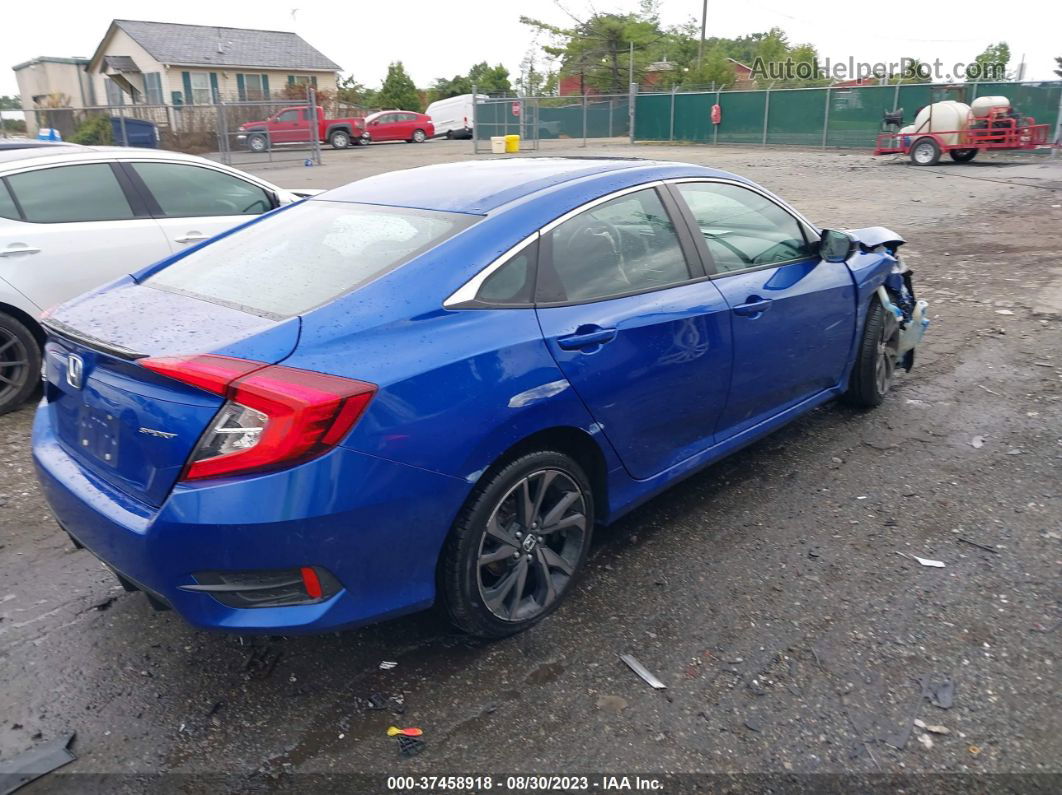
x: 75, y: 217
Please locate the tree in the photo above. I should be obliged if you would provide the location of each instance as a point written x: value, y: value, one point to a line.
x: 915, y: 71
x: 597, y: 48
x: 398, y: 90
x: 990, y: 64
x: 351, y: 92
x: 441, y: 88
x: 489, y: 79
x: 11, y: 103
x: 1058, y: 63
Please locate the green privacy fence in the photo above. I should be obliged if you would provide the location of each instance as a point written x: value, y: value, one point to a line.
x: 837, y: 117
x: 554, y: 117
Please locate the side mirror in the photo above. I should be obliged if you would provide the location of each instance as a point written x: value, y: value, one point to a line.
x: 835, y: 246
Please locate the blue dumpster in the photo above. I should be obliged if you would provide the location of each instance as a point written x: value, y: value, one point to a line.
x: 137, y: 132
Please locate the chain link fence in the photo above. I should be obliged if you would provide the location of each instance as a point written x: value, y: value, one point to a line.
x: 536, y: 119
x: 849, y: 117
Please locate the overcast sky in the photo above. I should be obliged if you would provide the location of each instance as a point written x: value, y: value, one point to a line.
x: 437, y: 38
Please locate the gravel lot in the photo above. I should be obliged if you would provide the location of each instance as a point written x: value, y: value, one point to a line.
x: 767, y: 592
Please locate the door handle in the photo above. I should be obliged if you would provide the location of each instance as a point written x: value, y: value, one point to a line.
x: 754, y: 306
x: 192, y: 237
x: 586, y: 337
x: 11, y: 251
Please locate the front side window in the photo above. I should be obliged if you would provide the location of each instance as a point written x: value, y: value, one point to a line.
x: 625, y: 245
x: 288, y: 115
x: 201, y: 93
x: 66, y: 194
x: 185, y: 191
x: 742, y: 228
x: 306, y: 255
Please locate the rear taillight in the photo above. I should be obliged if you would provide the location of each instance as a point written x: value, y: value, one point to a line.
x: 274, y: 416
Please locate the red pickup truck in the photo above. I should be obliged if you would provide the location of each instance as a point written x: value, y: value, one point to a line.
x: 292, y: 125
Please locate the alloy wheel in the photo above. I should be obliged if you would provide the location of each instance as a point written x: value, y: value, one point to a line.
x: 14, y: 364
x: 533, y: 541
x: 885, y: 364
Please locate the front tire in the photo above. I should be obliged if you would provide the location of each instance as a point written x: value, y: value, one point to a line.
x: 962, y: 155
x: 257, y: 143
x: 875, y: 364
x: 518, y: 545
x: 20, y: 363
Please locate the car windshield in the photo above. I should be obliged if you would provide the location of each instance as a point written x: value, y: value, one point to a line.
x: 306, y: 255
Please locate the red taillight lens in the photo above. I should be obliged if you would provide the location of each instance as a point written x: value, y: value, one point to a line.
x: 275, y: 416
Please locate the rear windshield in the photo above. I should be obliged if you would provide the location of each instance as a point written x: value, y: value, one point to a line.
x: 307, y: 255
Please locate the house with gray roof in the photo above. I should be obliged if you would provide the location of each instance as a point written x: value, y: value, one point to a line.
x: 164, y: 63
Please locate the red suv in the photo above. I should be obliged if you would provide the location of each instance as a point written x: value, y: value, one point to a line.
x: 399, y: 125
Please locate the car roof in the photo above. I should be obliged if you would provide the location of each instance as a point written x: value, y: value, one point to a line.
x: 478, y: 187
x: 73, y: 153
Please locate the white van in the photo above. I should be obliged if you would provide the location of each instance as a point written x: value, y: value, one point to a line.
x: 452, y: 116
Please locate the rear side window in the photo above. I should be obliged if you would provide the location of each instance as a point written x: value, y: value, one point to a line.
x: 185, y: 191
x: 7, y: 204
x: 66, y: 194
x: 513, y: 282
x: 307, y: 255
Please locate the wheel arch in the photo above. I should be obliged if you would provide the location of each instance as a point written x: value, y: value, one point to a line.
x: 27, y: 320
x: 574, y: 442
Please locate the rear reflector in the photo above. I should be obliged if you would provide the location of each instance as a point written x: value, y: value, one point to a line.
x: 275, y: 416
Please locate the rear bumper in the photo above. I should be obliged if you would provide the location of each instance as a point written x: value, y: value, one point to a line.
x: 378, y: 526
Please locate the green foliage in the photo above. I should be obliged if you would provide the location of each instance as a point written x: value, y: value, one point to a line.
x: 995, y: 57
x: 441, y: 87
x: 1058, y: 63
x: 10, y: 103
x: 398, y: 91
x: 94, y: 131
x: 489, y: 79
x: 351, y: 92
x: 598, y: 49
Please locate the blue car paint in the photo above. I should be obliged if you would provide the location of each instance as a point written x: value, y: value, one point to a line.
x: 457, y: 389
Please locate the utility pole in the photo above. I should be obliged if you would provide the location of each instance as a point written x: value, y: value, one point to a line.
x: 704, y: 23
x: 630, y: 63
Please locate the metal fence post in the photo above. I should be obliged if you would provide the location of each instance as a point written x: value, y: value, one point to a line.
x: 584, y: 121
x: 896, y: 95
x: 766, y: 113
x: 610, y: 111
x: 1057, y: 142
x: 475, y: 126
x: 632, y: 94
x: 221, y: 125
x: 315, y: 136
x: 715, y: 130
x: 826, y: 118
x: 121, y: 122
x: 671, y: 128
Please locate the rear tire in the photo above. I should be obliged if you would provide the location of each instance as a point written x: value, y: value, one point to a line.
x: 962, y: 155
x: 518, y: 545
x: 20, y: 363
x: 875, y: 364
x: 419, y: 137
x: 925, y: 152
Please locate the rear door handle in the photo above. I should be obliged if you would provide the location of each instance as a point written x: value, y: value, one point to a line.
x: 11, y: 251
x: 753, y: 306
x: 586, y: 337
x: 192, y: 237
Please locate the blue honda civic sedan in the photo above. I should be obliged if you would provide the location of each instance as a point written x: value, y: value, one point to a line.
x: 431, y: 385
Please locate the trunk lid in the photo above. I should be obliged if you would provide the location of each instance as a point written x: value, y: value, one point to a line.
x: 131, y: 427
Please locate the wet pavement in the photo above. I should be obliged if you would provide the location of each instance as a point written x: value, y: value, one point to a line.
x: 775, y: 593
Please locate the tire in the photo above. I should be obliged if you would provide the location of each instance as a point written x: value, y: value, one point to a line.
x: 362, y: 141
x: 257, y: 143
x: 925, y: 152
x: 479, y: 576
x: 20, y: 363
x: 449, y: 135
x: 875, y: 364
x: 962, y: 155
x: 339, y: 139
x: 419, y: 137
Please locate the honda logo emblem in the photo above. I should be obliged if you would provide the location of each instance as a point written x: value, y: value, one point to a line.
x: 75, y: 370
